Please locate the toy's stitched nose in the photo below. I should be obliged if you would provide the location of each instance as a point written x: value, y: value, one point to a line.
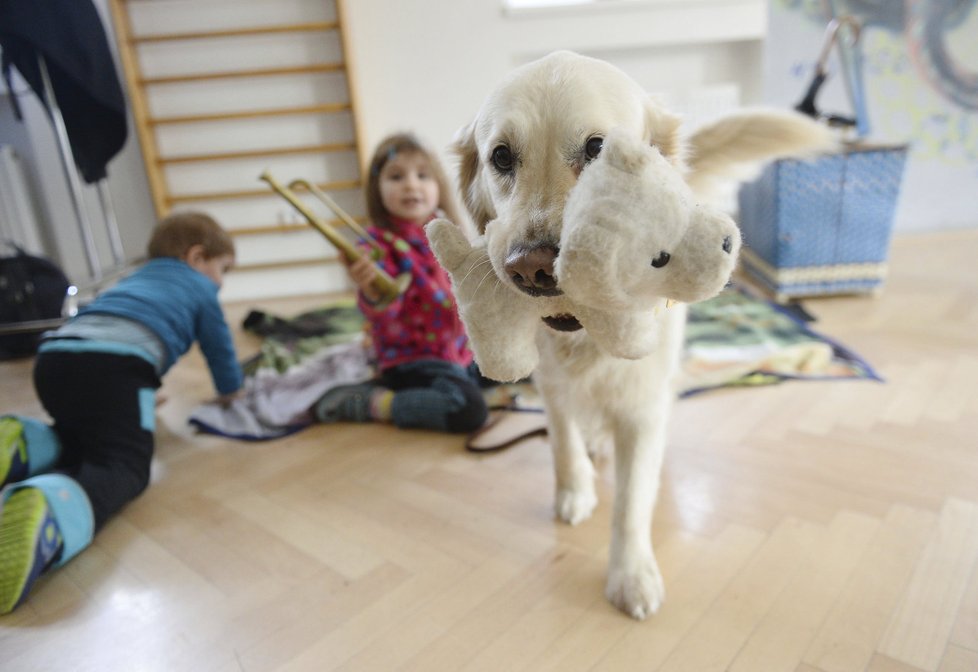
x: 727, y: 244
x: 532, y: 270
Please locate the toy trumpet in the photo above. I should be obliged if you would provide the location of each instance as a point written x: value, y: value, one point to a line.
x: 389, y: 288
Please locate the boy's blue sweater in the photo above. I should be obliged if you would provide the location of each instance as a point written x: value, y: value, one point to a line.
x: 179, y: 304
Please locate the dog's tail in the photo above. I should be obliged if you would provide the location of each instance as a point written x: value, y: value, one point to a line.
x: 735, y: 147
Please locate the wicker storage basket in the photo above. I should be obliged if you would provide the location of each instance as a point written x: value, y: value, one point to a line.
x: 822, y: 226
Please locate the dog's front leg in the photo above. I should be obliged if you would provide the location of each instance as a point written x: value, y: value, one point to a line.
x: 634, y: 582
x: 576, y: 497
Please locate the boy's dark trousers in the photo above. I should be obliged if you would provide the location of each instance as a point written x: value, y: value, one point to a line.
x: 103, y: 415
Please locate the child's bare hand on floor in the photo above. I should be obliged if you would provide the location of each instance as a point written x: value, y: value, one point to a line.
x: 226, y: 400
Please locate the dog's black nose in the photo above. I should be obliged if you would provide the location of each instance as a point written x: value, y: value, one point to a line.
x: 532, y: 270
x: 727, y: 244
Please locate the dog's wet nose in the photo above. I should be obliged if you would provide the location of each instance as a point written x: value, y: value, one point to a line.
x: 532, y: 270
x: 727, y: 244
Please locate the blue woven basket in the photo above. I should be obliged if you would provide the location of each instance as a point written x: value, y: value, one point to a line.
x: 822, y: 226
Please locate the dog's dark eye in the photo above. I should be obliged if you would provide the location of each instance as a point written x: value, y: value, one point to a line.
x: 661, y: 260
x: 502, y: 159
x: 593, y: 147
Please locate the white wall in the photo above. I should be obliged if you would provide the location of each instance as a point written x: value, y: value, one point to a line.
x: 426, y: 65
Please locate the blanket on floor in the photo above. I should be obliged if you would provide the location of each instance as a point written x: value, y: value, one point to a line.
x: 739, y: 339
x: 298, y: 361
x: 736, y: 339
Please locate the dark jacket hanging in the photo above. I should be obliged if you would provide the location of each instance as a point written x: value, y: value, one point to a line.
x: 69, y: 35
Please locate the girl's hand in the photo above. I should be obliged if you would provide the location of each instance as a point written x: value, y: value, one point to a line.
x: 363, y: 272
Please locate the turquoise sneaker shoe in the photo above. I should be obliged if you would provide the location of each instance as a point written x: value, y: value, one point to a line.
x: 13, y: 451
x: 30, y: 542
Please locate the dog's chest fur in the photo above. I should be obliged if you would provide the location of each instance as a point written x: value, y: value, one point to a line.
x: 583, y: 377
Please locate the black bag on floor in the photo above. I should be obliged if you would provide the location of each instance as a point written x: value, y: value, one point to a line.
x: 31, y: 289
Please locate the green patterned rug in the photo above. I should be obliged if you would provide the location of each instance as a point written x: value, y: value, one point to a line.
x: 738, y: 339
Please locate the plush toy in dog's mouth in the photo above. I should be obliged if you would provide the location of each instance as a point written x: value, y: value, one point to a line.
x: 562, y: 322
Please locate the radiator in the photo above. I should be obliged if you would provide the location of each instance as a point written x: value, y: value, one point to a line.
x: 18, y: 217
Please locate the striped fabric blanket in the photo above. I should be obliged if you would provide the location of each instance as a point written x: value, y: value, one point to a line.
x: 738, y: 339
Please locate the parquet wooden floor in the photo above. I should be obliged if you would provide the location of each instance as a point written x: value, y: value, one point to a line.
x: 806, y: 527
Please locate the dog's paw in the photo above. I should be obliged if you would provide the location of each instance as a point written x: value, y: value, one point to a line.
x: 638, y: 593
x: 575, y: 506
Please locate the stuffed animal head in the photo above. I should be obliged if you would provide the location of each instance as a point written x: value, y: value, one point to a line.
x: 633, y: 233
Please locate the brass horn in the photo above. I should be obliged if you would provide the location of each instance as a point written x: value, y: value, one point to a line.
x: 389, y: 288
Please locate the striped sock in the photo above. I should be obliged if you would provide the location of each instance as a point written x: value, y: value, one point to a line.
x: 380, y: 404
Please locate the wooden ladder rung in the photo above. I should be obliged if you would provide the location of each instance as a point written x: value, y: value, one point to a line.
x: 232, y: 74
x: 273, y: 229
x: 238, y: 32
x: 269, y: 230
x: 258, y: 153
x: 291, y: 263
x: 326, y: 108
x: 340, y: 185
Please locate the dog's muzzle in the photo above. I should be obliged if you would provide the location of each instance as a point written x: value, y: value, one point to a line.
x: 532, y: 271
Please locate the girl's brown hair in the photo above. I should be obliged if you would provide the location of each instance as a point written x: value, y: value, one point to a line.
x: 389, y: 147
x: 177, y: 233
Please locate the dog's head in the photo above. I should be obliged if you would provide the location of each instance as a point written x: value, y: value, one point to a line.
x: 534, y: 137
x: 536, y: 143
x: 525, y: 149
x: 535, y: 133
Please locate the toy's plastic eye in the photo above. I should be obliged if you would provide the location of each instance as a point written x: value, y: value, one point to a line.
x: 661, y: 260
x: 593, y: 147
x: 502, y: 159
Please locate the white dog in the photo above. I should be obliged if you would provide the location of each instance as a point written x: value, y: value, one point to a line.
x: 520, y: 158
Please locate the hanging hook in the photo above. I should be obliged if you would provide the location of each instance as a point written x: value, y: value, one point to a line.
x: 832, y: 34
x: 807, y: 103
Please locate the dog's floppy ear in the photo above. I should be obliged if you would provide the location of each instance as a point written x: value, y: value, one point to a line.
x: 662, y: 129
x: 471, y: 179
x: 735, y: 146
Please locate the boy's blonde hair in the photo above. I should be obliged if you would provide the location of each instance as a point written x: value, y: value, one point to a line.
x: 177, y: 233
x: 389, y: 147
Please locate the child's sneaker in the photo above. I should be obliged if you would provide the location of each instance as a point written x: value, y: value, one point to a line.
x: 13, y: 451
x: 349, y: 403
x: 30, y: 540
